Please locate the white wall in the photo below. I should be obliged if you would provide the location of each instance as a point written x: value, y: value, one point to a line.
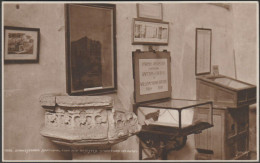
x: 245, y: 37
x: 25, y: 83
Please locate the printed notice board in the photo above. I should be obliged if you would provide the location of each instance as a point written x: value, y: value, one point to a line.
x: 152, y: 78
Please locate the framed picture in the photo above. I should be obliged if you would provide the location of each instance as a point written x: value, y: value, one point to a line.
x: 91, y: 48
x: 150, y: 11
x: 152, y: 75
x: 203, y: 51
x: 21, y: 45
x: 150, y: 32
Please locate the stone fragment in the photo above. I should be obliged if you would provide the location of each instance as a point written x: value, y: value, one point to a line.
x: 84, y: 101
x: 47, y: 100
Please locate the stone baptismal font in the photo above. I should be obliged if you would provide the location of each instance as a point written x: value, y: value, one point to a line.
x: 86, y: 122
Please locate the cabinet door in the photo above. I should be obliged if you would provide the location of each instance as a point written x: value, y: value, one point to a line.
x: 212, y: 138
x: 217, y: 136
x: 201, y: 140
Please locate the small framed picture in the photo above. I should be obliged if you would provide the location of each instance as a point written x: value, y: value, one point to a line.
x: 150, y: 32
x: 203, y: 51
x: 150, y: 11
x: 21, y: 44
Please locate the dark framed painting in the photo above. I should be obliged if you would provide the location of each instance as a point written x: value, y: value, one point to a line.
x: 91, y: 48
x: 203, y: 51
x: 150, y: 32
x: 21, y: 45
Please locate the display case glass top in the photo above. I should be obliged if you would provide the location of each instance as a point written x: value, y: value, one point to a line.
x: 176, y: 104
x: 225, y: 91
x: 230, y: 83
x: 226, y: 82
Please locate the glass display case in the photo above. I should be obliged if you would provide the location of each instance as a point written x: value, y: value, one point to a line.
x: 225, y: 91
x: 173, y: 117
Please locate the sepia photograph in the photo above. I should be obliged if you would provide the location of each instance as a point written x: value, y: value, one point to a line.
x: 150, y: 32
x: 21, y: 44
x: 110, y: 81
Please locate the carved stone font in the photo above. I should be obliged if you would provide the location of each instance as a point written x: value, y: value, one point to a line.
x: 86, y: 121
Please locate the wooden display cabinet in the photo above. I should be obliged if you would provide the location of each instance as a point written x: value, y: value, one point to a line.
x: 229, y: 138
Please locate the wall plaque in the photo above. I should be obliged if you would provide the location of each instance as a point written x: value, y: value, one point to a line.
x: 152, y: 75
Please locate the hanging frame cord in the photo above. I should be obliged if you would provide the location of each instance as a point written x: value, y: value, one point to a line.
x: 235, y: 64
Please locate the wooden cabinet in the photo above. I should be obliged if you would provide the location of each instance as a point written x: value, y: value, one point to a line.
x: 229, y: 137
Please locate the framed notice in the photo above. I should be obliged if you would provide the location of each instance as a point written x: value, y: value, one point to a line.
x: 150, y: 11
x: 21, y: 44
x: 152, y: 75
x: 91, y: 48
x: 150, y: 32
x: 203, y: 51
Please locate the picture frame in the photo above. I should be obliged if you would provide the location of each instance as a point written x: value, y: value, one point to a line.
x: 21, y: 44
x: 203, y: 41
x: 150, y: 11
x: 149, y: 32
x: 152, y: 75
x: 91, y: 48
